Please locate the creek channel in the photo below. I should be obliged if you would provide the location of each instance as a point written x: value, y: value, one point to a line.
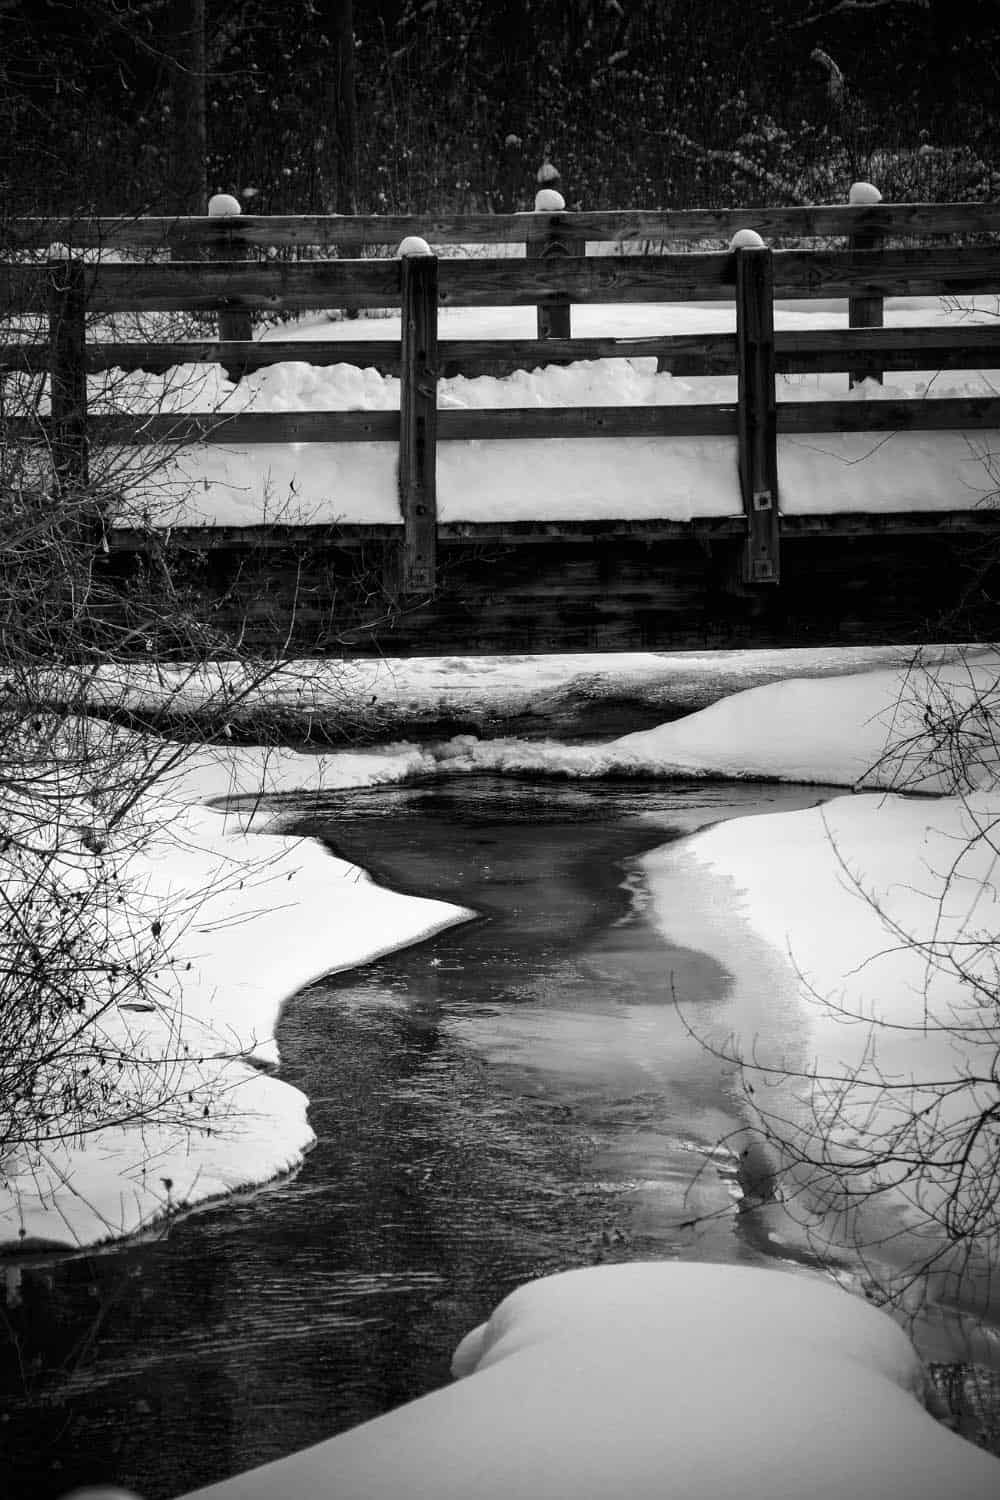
x: 517, y: 1095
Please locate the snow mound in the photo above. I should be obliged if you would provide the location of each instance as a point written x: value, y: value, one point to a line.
x: 656, y: 1379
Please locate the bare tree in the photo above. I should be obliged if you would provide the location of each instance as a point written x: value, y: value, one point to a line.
x: 92, y: 1030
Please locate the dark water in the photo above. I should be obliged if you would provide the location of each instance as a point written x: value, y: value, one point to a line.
x: 514, y: 1097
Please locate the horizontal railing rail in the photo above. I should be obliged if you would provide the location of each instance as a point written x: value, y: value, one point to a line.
x: 795, y: 352
x: 695, y: 277
x: 704, y: 419
x: 902, y: 220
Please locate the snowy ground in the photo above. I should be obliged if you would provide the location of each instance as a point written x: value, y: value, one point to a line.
x: 656, y: 1381
x: 751, y: 892
x: 282, y: 912
x: 394, y: 697
x: 635, y: 478
x: 256, y: 915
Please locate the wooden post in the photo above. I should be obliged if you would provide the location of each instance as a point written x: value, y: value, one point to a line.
x: 865, y: 312
x: 418, y: 416
x: 757, y: 417
x: 235, y: 324
x: 68, y: 369
x: 551, y: 239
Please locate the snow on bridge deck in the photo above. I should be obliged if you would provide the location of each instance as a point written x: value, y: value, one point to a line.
x: 674, y: 478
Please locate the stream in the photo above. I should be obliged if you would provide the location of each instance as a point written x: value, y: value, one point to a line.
x: 515, y: 1096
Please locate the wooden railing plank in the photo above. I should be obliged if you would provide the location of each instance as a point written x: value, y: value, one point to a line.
x: 687, y: 354
x: 802, y: 222
x: 928, y: 272
x: 933, y: 414
x: 689, y: 277
x: 529, y: 423
x: 796, y: 351
x: 196, y: 286
x: 534, y: 422
x: 949, y: 348
x: 970, y: 413
x: 244, y: 428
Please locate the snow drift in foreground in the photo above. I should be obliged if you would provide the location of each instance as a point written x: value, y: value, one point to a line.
x: 656, y: 1381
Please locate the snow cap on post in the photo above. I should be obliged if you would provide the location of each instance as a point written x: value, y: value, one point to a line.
x: 414, y: 245
x: 222, y: 205
x: 863, y: 192
x: 746, y: 239
x: 547, y: 200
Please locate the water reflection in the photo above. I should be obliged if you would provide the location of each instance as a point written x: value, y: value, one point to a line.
x: 513, y: 1097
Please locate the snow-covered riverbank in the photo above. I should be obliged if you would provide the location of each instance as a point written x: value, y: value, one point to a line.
x: 656, y: 1380
x: 253, y: 915
x: 251, y: 918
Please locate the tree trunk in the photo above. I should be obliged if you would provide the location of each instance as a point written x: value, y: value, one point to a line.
x: 338, y: 172
x: 187, y: 187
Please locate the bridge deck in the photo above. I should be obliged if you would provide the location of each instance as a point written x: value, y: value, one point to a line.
x: 742, y: 520
x: 592, y: 586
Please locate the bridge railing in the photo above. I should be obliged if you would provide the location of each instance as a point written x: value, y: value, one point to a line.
x: 79, y: 286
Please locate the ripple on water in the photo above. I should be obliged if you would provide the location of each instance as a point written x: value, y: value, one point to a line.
x: 514, y: 1097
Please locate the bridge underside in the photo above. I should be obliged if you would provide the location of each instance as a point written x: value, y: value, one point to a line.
x: 581, y: 586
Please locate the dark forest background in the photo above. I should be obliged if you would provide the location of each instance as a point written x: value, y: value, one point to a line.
x: 296, y: 106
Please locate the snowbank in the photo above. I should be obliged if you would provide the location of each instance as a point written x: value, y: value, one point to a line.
x: 858, y: 934
x: 247, y: 921
x: 560, y: 692
x: 653, y: 1380
x: 256, y: 918
x: 835, y: 730
x: 689, y: 1380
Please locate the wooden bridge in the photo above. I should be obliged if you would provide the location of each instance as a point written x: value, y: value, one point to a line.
x: 760, y: 576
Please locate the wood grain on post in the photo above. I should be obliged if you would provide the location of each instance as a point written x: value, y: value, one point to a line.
x: 757, y: 414
x: 235, y: 324
x: 865, y: 312
x: 418, y: 420
x: 68, y: 371
x: 552, y: 239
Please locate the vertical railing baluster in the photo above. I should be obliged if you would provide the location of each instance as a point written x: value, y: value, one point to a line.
x: 235, y: 323
x: 418, y: 416
x: 551, y: 239
x: 757, y: 412
x: 865, y: 312
x: 68, y: 369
